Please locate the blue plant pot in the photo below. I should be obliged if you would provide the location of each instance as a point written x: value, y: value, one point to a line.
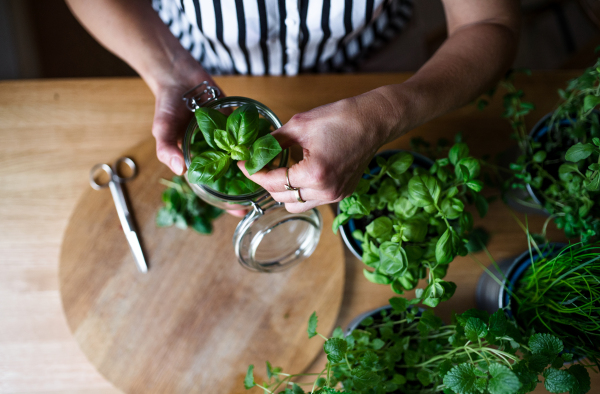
x: 347, y: 229
x: 491, y: 295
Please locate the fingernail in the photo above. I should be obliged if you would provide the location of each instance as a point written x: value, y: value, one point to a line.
x: 177, y: 165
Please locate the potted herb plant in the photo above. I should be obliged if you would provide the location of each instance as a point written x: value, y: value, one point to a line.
x: 550, y: 289
x: 397, y: 350
x: 408, y: 216
x: 559, y: 164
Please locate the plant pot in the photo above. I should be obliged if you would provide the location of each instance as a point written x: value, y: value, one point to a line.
x: 347, y: 229
x: 491, y: 295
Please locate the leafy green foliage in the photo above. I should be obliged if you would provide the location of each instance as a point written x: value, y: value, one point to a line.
x: 415, y: 219
x: 558, y: 296
x: 403, y: 350
x: 223, y: 140
x: 184, y: 209
x: 249, y: 379
x: 562, y: 165
x: 312, y: 325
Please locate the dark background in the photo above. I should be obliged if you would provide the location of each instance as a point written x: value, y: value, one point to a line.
x: 42, y: 39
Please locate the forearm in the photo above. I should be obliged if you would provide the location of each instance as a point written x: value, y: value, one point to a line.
x: 471, y: 61
x: 133, y: 31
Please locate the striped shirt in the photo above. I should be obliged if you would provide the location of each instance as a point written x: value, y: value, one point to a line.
x: 282, y: 37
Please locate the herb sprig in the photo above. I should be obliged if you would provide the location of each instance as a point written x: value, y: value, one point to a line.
x: 223, y: 140
x: 417, y: 220
x: 405, y: 351
x: 563, y: 165
x: 184, y: 209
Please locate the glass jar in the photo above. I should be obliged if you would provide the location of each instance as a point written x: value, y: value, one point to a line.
x: 268, y: 238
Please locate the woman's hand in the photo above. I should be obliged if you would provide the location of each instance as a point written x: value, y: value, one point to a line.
x: 338, y: 141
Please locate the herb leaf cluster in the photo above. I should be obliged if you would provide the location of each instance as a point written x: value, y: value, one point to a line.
x: 562, y: 165
x: 223, y: 140
x: 559, y: 295
x: 183, y: 208
x: 404, y: 350
x: 417, y: 220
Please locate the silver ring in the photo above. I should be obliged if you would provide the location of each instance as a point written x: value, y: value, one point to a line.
x: 298, y: 197
x: 287, y: 185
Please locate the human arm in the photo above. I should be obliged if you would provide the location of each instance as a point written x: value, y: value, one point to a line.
x: 133, y: 31
x: 339, y: 139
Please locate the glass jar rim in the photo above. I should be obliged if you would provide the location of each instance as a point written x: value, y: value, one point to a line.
x: 226, y: 102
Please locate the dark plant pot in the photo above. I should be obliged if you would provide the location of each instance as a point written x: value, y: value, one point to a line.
x: 347, y: 229
x: 491, y: 295
x: 529, y: 200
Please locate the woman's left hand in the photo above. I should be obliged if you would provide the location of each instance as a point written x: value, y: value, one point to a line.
x: 338, y: 141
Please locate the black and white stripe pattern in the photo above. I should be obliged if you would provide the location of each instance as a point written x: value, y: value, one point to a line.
x: 282, y: 37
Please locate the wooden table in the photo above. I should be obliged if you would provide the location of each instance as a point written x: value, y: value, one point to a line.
x: 51, y: 132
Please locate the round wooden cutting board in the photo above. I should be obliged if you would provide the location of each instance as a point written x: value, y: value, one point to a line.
x: 197, y: 319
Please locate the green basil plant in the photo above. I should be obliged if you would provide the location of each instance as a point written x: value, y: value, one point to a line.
x: 184, y: 209
x: 563, y: 165
x: 417, y: 222
x: 403, y: 351
x: 224, y: 140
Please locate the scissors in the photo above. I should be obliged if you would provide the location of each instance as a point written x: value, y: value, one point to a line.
x: 114, y: 184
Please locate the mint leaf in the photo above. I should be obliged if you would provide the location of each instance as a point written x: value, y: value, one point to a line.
x: 369, y: 359
x: 263, y: 150
x: 475, y: 329
x: 558, y: 380
x: 312, y: 325
x: 338, y: 333
x: 498, y: 323
x: 481, y: 385
x: 208, y: 167
x: 579, y: 151
x: 297, y: 389
x: 461, y: 379
x: 210, y: 120
x: 243, y: 124
x: 582, y: 378
x: 335, y: 348
x: 546, y: 344
x: 503, y: 381
x: 398, y: 303
x: 364, y: 379
x: 424, y: 377
x: 249, y: 379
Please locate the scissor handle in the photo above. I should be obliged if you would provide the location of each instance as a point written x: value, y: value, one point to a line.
x: 130, y: 163
x: 106, y: 168
x: 112, y: 172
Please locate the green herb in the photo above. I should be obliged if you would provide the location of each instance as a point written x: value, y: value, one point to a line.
x: 560, y: 295
x: 184, y: 209
x: 416, y: 220
x: 563, y: 165
x: 402, y: 350
x: 224, y: 140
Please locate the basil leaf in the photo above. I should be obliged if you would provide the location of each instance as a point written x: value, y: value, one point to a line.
x: 240, y: 152
x: 393, y: 258
x: 424, y: 190
x: 472, y: 168
x: 399, y: 163
x: 263, y: 150
x: 224, y: 140
x: 209, y: 166
x: 243, y: 124
x: 374, y: 277
x: 264, y: 127
x: 444, y: 249
x: 457, y: 152
x: 208, y: 121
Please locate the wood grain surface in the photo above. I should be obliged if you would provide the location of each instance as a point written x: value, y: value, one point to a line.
x: 197, y: 319
x: 52, y: 132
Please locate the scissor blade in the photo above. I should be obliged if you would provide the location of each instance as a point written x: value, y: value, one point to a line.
x: 136, y: 249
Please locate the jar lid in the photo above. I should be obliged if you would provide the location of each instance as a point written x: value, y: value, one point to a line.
x: 271, y: 239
